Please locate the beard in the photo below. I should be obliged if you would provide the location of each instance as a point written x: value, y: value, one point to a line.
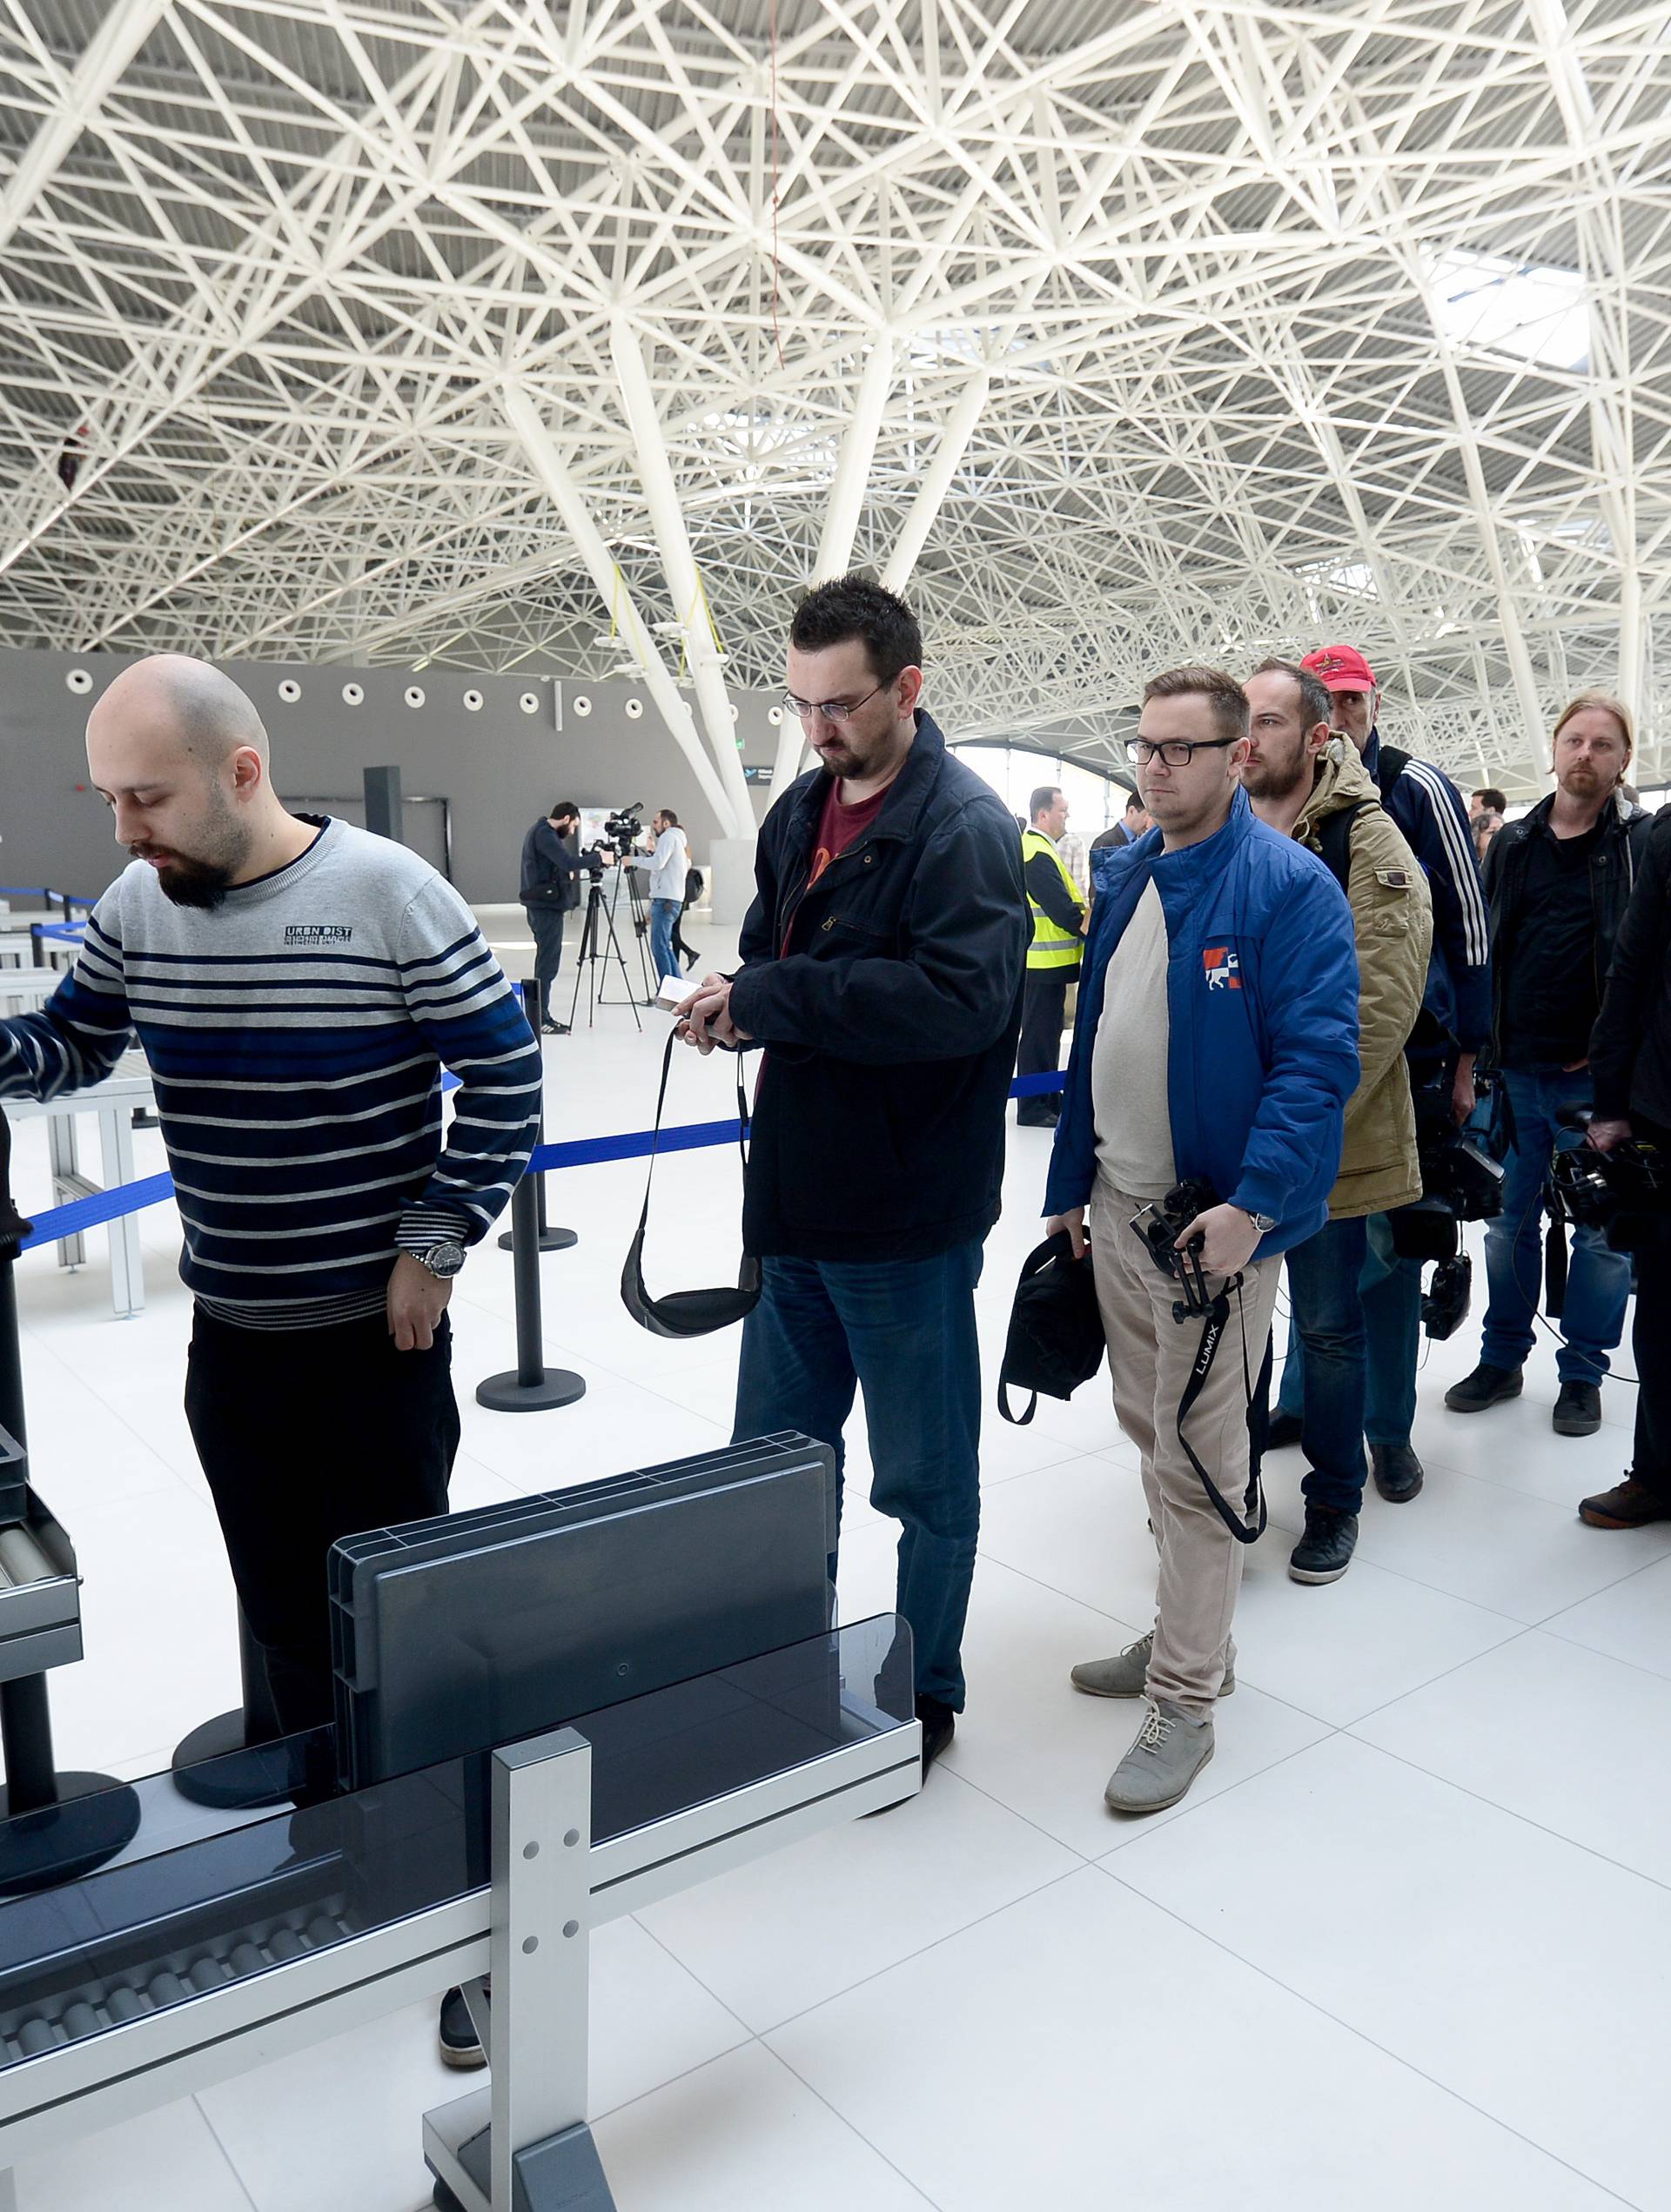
x: 195, y: 883
x: 1274, y: 778
x: 202, y: 880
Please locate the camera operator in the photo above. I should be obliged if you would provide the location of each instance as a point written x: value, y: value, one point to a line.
x: 1216, y: 1041
x: 550, y: 890
x: 881, y: 970
x: 1558, y: 882
x: 669, y: 862
x: 1317, y: 791
x: 1630, y: 1069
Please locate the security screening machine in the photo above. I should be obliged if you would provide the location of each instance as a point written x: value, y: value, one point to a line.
x: 549, y: 1712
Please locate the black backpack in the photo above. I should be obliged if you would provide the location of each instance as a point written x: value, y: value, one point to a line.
x: 693, y: 886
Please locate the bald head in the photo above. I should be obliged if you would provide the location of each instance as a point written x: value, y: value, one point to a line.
x: 180, y: 753
x: 171, y: 699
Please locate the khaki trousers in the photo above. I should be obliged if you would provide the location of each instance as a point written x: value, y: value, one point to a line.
x: 1151, y: 1356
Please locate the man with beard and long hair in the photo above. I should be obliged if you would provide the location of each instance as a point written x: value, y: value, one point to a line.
x: 297, y: 986
x: 1556, y: 883
x: 1308, y: 785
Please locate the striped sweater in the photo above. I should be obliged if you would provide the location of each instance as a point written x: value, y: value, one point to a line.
x: 296, y: 1036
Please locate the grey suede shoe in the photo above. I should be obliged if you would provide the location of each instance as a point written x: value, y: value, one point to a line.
x: 1170, y: 1752
x: 1125, y: 1675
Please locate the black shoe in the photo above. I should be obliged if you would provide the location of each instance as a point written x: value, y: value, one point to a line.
x: 1283, y: 1430
x: 939, y: 1726
x: 1323, y: 1554
x: 1578, y: 1410
x: 1398, y: 1471
x: 690, y: 962
x: 554, y: 1029
x: 1488, y: 1386
x: 460, y: 2046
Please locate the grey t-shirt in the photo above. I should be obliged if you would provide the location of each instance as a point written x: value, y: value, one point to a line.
x: 1127, y: 1061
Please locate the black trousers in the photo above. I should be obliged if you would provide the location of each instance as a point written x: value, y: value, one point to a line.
x: 1651, y: 1250
x: 1044, y: 1004
x: 306, y: 1435
x: 547, y: 926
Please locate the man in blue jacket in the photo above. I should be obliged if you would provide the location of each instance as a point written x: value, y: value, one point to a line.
x: 882, y: 971
x: 1216, y: 1043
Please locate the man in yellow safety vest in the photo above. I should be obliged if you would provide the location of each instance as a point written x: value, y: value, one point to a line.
x: 1053, y: 956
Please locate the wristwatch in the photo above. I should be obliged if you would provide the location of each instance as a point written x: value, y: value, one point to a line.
x: 1263, y: 1222
x: 443, y: 1261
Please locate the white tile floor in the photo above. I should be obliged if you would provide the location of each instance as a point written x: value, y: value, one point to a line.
x: 1409, y: 1941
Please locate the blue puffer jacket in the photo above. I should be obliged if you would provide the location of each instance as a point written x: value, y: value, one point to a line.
x: 1262, y: 993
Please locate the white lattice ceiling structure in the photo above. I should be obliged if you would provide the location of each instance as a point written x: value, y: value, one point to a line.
x: 535, y: 333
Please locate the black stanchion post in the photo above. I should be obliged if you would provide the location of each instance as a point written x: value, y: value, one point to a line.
x: 531, y: 1387
x: 550, y: 1239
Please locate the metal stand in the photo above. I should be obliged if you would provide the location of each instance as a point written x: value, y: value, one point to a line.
x: 522, y: 2145
x: 80, y: 1820
x: 638, y: 907
x: 599, y: 923
x: 550, y: 1239
x: 249, y: 1725
x: 532, y: 1387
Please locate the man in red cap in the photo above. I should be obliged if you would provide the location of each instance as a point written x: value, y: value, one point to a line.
x: 1454, y: 1024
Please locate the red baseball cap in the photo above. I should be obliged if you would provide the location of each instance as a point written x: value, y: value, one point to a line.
x: 1341, y: 667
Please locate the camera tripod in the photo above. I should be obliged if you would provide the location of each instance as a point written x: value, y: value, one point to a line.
x: 599, y: 943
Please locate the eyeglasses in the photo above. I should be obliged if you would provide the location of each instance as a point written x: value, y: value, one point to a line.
x: 829, y: 710
x: 1176, y: 752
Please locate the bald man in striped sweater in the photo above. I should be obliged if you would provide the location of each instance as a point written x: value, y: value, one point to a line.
x: 297, y: 986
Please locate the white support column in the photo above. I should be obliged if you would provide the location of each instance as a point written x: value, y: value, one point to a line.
x: 684, y: 582
x: 925, y: 507
x: 853, y: 465
x: 566, y: 496
x: 841, y: 517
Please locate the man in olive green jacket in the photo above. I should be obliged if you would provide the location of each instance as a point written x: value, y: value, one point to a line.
x: 1316, y: 789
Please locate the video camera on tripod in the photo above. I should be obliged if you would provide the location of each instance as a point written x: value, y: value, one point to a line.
x: 621, y: 832
x: 1458, y: 1183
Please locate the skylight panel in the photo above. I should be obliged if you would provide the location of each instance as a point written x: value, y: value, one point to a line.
x: 1537, y: 313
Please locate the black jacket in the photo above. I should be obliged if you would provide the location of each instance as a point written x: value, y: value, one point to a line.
x: 890, y: 1026
x: 1613, y: 873
x: 550, y: 871
x: 1630, y: 1045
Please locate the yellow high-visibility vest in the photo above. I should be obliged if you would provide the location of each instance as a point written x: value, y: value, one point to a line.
x: 1052, y: 945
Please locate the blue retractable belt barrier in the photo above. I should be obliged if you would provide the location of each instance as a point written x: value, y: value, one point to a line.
x: 579, y: 1152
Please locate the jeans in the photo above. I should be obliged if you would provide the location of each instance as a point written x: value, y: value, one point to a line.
x: 1597, y: 1281
x: 1389, y: 1290
x: 905, y: 1329
x: 377, y: 1450
x: 546, y: 925
x: 1328, y: 1314
x: 664, y: 920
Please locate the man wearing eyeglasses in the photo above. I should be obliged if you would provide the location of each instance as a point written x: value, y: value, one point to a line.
x: 1216, y: 1043
x: 882, y: 971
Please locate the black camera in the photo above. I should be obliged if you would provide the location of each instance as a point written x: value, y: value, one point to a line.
x: 1458, y: 1183
x: 1606, y: 1189
x: 1445, y: 1302
x: 1161, y: 1224
x: 623, y: 830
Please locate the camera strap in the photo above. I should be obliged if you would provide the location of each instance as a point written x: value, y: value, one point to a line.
x: 1248, y: 1525
x: 687, y: 1313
